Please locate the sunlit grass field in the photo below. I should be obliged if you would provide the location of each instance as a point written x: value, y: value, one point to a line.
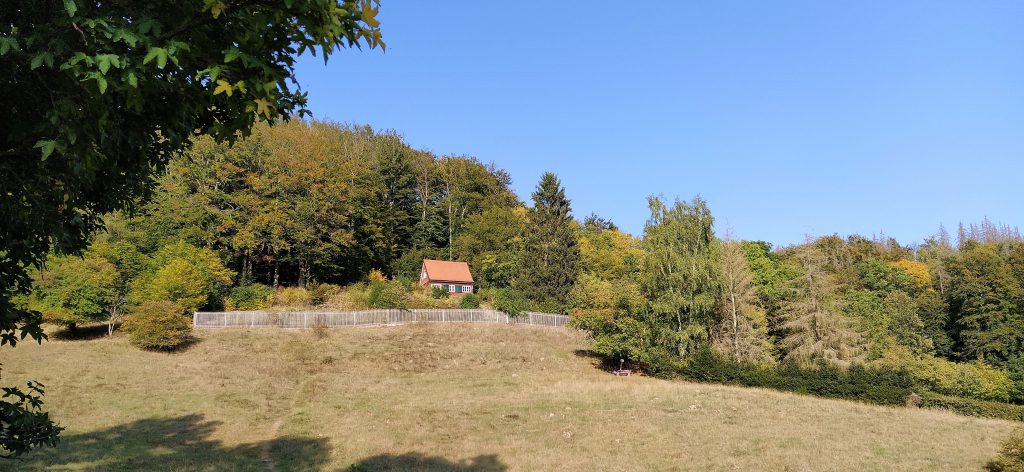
x: 448, y: 398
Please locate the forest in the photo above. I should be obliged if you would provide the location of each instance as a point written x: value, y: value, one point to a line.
x: 311, y: 213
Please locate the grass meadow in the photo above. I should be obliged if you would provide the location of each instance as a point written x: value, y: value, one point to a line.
x: 447, y: 398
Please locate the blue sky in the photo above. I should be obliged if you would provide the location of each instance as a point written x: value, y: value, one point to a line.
x: 790, y: 118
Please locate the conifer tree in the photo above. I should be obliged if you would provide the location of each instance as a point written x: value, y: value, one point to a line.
x: 550, y: 261
x: 742, y: 331
x: 816, y: 330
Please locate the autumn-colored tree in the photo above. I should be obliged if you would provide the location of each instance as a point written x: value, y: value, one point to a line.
x: 815, y: 328
x: 742, y: 328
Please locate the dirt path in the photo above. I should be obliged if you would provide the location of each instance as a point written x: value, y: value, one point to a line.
x: 265, y: 456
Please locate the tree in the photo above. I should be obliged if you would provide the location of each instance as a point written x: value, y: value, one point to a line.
x: 551, y: 253
x: 681, y: 275
x: 491, y: 242
x: 101, y: 94
x: 72, y: 290
x: 987, y: 302
x: 815, y: 329
x: 190, y: 277
x: 742, y: 331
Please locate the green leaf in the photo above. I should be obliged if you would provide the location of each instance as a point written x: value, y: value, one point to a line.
x: 101, y: 83
x: 70, y: 7
x: 40, y: 58
x: 7, y: 44
x: 159, y: 54
x: 132, y: 80
x: 103, y: 62
x: 231, y: 54
x: 47, y: 146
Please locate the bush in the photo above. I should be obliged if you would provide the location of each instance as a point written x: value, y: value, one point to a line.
x: 249, y: 297
x: 861, y: 383
x: 975, y: 380
x: 322, y: 293
x: 190, y: 276
x: 1011, y: 455
x: 511, y: 302
x: 972, y: 407
x: 353, y: 297
x: 292, y: 297
x: 438, y: 292
x: 73, y: 290
x: 159, y: 325
x: 387, y: 295
x: 469, y: 300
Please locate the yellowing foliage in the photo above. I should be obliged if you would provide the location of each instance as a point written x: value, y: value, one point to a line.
x: 918, y: 271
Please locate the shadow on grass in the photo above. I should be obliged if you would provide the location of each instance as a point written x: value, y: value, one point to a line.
x: 81, y: 333
x: 181, y: 443
x: 422, y: 462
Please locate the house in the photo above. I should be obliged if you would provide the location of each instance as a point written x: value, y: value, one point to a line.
x: 448, y: 275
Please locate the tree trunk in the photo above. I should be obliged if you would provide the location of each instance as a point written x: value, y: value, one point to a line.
x: 735, y: 327
x: 275, y: 274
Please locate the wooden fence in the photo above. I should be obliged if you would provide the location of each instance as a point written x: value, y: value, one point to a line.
x: 335, y: 319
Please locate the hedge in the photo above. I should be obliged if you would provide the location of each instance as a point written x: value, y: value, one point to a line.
x: 971, y: 407
x: 871, y: 385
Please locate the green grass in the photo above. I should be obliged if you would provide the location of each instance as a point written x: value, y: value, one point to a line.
x: 448, y: 398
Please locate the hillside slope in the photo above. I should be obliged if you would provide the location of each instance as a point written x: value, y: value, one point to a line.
x: 455, y: 397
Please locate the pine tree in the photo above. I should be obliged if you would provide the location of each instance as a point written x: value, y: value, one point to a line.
x: 816, y: 330
x: 550, y: 260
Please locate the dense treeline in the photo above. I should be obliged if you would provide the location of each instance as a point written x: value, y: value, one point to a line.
x: 293, y: 213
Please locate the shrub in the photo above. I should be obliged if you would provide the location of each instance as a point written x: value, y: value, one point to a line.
x: 469, y: 300
x: 249, y: 297
x: 438, y: 292
x: 1011, y: 455
x: 1015, y: 370
x: 353, y: 297
x: 511, y: 302
x: 159, y: 325
x: 873, y: 385
x: 975, y: 380
x: 972, y: 407
x: 387, y: 295
x: 190, y: 276
x: 322, y: 293
x: 292, y: 296
x: 72, y: 290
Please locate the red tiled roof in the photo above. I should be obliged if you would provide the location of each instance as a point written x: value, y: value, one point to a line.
x: 447, y: 271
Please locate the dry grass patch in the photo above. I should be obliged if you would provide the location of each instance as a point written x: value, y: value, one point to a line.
x: 449, y: 397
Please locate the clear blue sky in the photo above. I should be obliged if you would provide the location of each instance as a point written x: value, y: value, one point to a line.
x: 789, y: 117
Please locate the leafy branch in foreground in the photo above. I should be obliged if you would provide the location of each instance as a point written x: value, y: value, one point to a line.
x: 23, y: 424
x: 100, y: 95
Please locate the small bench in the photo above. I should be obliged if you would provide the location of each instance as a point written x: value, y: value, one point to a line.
x: 622, y: 372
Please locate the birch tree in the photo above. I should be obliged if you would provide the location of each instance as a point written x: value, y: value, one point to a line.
x: 682, y: 276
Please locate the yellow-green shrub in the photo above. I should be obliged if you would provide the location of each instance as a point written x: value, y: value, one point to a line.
x: 1011, y: 455
x: 159, y: 325
x: 292, y: 296
x: 970, y: 380
x: 320, y: 294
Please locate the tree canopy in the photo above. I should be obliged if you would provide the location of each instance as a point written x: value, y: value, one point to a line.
x: 101, y: 95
